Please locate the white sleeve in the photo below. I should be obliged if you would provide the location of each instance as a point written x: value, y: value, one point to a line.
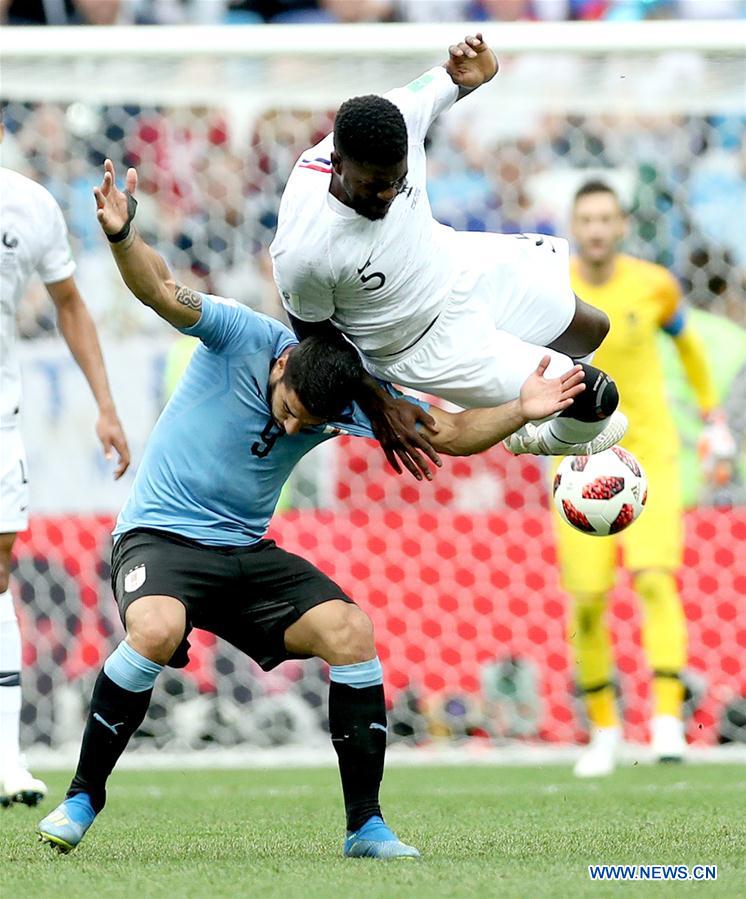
x: 56, y: 262
x: 304, y: 283
x: 305, y: 295
x: 423, y: 100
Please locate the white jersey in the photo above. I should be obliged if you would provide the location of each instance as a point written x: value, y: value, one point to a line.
x: 34, y: 239
x: 381, y: 282
x: 463, y: 316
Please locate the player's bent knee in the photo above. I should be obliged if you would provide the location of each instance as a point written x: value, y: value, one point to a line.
x: 599, y: 399
x: 336, y: 631
x: 586, y: 331
x: 350, y: 640
x: 361, y: 645
x: 601, y: 327
x: 595, y: 324
x: 155, y: 627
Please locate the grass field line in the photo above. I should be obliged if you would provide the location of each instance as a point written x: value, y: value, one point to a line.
x: 470, y: 753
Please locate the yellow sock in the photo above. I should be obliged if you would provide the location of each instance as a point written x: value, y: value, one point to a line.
x: 589, y: 639
x: 668, y: 696
x: 664, y: 638
x: 601, y: 707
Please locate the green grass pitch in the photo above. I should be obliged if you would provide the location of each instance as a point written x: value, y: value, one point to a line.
x: 483, y: 832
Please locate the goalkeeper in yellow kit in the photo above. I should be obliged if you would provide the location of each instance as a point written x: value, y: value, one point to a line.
x: 640, y: 298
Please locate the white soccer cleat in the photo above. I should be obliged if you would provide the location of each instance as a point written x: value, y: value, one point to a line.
x: 538, y: 440
x: 668, y: 738
x: 18, y: 785
x: 599, y: 758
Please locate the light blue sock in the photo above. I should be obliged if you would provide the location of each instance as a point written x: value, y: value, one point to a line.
x: 359, y: 675
x: 131, y: 671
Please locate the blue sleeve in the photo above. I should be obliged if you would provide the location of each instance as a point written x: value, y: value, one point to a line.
x: 676, y: 324
x: 227, y: 326
x: 357, y: 424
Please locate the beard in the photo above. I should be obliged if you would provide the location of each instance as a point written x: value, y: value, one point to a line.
x: 374, y: 212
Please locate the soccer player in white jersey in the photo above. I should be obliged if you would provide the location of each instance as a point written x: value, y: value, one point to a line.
x: 460, y: 315
x: 34, y: 238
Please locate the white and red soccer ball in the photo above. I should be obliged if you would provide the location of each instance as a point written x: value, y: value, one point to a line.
x: 600, y: 494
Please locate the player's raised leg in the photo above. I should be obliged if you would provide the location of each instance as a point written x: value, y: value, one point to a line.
x: 121, y: 696
x: 591, y: 425
x: 466, y: 360
x: 342, y: 635
x: 543, y: 312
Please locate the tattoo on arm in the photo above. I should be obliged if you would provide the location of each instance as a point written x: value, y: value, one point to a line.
x: 188, y: 297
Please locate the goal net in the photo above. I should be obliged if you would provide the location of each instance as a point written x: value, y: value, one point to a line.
x: 459, y: 576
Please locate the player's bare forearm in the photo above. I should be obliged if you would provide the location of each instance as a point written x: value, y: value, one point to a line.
x: 470, y: 64
x: 79, y: 332
x: 143, y: 270
x: 476, y: 430
x: 146, y: 274
x: 77, y: 328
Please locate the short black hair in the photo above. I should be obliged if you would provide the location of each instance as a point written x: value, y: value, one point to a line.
x: 325, y: 372
x: 595, y: 186
x: 370, y: 129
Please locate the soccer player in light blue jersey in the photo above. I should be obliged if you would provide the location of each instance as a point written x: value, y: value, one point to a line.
x: 190, y: 548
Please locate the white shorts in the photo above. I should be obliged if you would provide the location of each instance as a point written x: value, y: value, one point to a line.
x: 13, y: 482
x: 492, y: 335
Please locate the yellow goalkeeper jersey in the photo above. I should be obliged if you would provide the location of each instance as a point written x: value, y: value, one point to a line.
x: 639, y: 299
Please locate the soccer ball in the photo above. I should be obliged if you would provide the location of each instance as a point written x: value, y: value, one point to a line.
x: 601, y: 494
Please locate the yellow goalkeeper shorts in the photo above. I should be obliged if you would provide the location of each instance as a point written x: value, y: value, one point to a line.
x: 655, y: 540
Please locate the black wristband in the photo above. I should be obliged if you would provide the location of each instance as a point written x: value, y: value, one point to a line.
x: 131, y: 210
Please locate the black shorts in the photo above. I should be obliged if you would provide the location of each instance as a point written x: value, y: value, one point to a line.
x: 248, y: 595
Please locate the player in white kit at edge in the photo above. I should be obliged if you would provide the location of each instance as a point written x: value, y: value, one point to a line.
x: 464, y: 316
x: 34, y: 238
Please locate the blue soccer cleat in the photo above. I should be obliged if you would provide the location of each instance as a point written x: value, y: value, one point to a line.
x: 66, y: 826
x: 375, y: 839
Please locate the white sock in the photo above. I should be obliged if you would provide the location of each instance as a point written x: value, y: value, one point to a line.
x: 570, y: 430
x: 10, y: 696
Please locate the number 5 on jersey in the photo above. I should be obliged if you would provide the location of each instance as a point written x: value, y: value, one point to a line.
x: 379, y: 277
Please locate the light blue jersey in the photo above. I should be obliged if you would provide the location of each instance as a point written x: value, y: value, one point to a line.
x: 214, y: 466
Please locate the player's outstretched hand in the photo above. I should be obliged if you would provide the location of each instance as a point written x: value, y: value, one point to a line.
x: 542, y: 396
x: 111, y: 434
x: 395, y: 423
x: 111, y: 203
x: 471, y: 63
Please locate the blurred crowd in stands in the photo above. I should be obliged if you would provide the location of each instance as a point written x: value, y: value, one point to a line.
x: 209, y: 197
x: 249, y: 12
